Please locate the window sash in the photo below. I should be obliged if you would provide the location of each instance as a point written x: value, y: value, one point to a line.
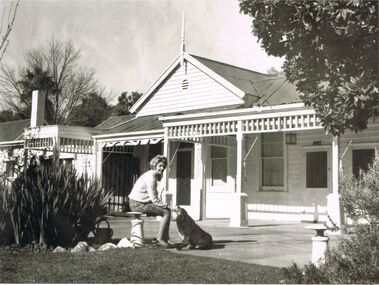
x: 272, y: 172
x: 272, y: 160
x: 219, y: 171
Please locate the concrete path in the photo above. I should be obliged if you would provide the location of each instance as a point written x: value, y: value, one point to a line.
x: 262, y: 242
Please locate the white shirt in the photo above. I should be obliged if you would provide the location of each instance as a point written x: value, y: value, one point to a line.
x: 145, y: 189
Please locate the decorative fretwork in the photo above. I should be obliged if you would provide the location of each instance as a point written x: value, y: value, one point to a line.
x: 75, y: 145
x: 203, y: 130
x: 67, y: 145
x: 40, y: 143
x: 259, y: 123
x: 281, y: 123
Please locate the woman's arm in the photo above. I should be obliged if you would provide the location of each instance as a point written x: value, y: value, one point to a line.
x: 151, y: 185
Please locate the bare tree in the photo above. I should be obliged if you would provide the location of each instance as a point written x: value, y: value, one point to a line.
x: 58, y: 63
x: 8, y: 18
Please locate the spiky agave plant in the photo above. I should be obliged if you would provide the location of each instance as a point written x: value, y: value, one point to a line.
x: 51, y: 202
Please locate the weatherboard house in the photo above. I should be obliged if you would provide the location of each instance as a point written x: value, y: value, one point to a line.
x: 240, y: 145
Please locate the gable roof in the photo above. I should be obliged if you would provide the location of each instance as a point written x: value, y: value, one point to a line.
x: 12, y: 130
x: 267, y: 89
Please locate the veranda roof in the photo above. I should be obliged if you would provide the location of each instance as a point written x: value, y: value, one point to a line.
x: 135, y: 124
x: 113, y: 121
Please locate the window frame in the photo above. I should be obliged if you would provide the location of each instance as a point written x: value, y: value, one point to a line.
x: 283, y: 188
x: 227, y: 186
x: 361, y: 146
x: 318, y: 148
x: 225, y: 159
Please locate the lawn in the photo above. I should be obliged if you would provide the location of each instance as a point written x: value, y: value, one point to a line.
x: 144, y: 265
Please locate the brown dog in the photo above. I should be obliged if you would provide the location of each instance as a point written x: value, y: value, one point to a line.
x: 193, y: 235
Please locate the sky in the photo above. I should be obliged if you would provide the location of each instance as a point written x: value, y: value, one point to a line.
x: 130, y: 43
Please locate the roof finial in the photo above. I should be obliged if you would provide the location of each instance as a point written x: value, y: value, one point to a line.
x: 183, y: 49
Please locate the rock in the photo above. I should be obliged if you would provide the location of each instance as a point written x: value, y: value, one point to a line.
x: 124, y: 243
x: 59, y: 249
x: 82, y: 246
x: 107, y: 246
x: 91, y: 249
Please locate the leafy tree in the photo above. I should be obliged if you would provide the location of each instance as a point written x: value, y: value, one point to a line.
x: 92, y: 111
x: 125, y: 102
x: 8, y: 115
x: 54, y: 69
x: 273, y: 71
x: 30, y: 80
x: 331, y: 54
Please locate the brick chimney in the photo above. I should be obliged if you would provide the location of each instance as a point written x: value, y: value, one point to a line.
x: 38, y: 109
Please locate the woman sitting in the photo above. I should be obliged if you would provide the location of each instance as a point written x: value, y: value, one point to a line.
x: 144, y: 198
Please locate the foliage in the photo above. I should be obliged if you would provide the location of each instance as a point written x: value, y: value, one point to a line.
x: 356, y: 257
x: 30, y: 80
x: 354, y: 260
x: 360, y: 197
x: 310, y: 274
x: 331, y: 54
x: 8, y: 115
x: 125, y: 102
x: 6, y: 233
x: 92, y: 111
x: 53, y: 205
x: 54, y: 69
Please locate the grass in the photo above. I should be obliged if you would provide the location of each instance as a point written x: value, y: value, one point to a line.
x: 144, y: 265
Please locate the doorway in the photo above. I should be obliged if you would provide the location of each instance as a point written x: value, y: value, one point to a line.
x: 183, y: 177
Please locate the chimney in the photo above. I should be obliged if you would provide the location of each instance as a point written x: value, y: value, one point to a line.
x: 38, y: 109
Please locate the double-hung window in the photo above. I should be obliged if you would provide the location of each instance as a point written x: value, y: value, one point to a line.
x: 272, y: 161
x: 219, y: 166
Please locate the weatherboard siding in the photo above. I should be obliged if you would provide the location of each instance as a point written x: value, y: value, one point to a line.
x: 203, y: 92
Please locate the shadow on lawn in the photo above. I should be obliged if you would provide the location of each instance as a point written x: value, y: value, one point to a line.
x: 233, y: 241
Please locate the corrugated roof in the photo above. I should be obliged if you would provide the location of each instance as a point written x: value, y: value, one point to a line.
x: 12, y: 130
x: 277, y: 91
x: 146, y: 123
x: 271, y: 89
x: 240, y: 77
x: 114, y: 121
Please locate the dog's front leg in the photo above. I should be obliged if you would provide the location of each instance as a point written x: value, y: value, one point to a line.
x: 185, y: 240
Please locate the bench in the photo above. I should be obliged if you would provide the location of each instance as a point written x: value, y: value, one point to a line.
x: 137, y: 234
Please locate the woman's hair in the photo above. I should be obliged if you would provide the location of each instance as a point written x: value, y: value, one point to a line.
x: 159, y: 158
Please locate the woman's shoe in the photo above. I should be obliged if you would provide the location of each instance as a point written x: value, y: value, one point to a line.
x: 165, y: 244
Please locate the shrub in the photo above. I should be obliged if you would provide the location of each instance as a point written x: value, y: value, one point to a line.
x: 6, y: 232
x: 356, y: 257
x: 52, y: 205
